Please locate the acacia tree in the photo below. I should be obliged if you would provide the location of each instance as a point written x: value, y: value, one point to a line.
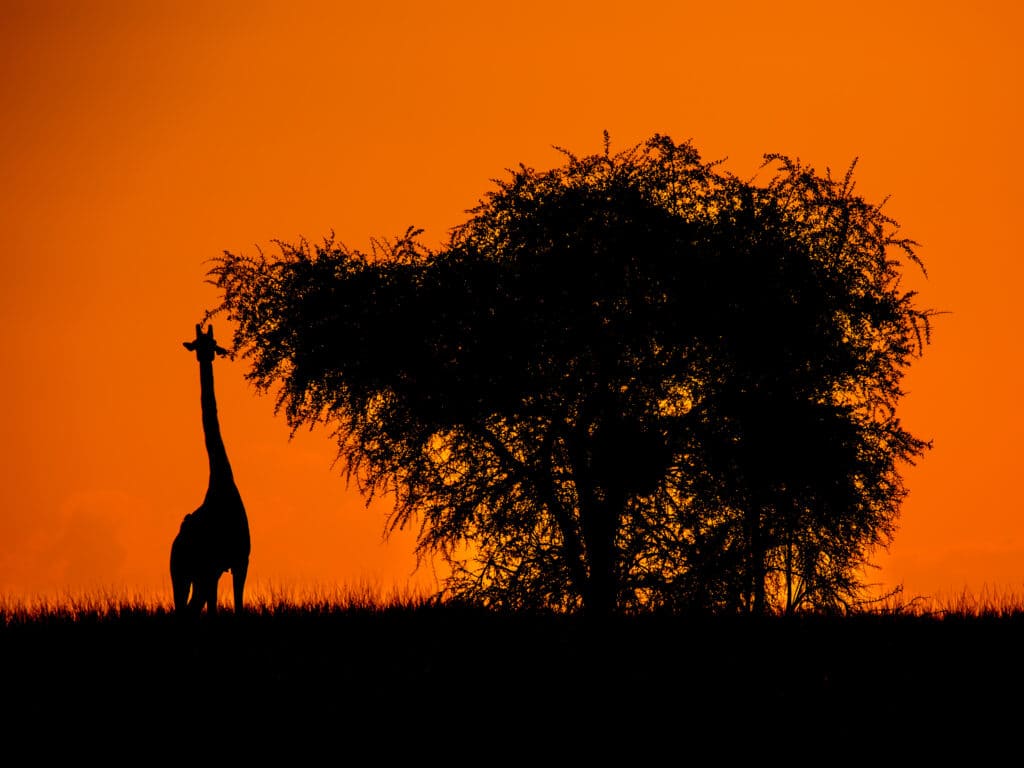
x: 630, y: 382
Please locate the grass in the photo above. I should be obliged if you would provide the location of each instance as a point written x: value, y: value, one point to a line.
x: 272, y: 599
x: 335, y: 671
x: 263, y: 599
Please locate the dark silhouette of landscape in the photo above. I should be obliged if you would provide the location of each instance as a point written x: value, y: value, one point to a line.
x: 427, y: 681
x: 657, y: 404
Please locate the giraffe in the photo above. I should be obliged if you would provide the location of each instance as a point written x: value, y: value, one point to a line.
x: 215, y: 538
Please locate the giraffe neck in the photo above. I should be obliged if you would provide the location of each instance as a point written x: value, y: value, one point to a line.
x: 220, y: 467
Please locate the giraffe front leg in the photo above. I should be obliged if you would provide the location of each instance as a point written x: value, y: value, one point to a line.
x: 184, y: 565
x: 204, y: 593
x: 197, y: 599
x: 211, y: 597
x: 182, y: 590
x: 238, y: 574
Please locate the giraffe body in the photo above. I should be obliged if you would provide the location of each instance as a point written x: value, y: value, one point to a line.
x: 214, y: 539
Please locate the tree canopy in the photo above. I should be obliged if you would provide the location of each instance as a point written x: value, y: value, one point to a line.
x: 632, y: 382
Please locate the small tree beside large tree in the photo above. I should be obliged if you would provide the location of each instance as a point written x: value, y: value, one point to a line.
x: 633, y: 382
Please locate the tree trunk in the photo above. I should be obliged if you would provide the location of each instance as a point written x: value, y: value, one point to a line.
x: 756, y: 596
x: 600, y: 525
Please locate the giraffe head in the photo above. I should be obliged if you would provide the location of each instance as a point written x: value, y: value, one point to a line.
x: 204, y: 345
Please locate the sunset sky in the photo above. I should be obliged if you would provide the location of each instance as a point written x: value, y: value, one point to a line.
x: 141, y: 139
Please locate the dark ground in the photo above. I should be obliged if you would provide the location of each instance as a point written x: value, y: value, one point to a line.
x: 388, y: 687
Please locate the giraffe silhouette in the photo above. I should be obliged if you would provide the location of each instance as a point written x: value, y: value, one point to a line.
x: 215, y: 538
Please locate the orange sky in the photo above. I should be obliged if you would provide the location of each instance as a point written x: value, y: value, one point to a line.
x: 139, y: 140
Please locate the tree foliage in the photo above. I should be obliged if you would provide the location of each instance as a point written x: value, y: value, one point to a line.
x: 632, y: 382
